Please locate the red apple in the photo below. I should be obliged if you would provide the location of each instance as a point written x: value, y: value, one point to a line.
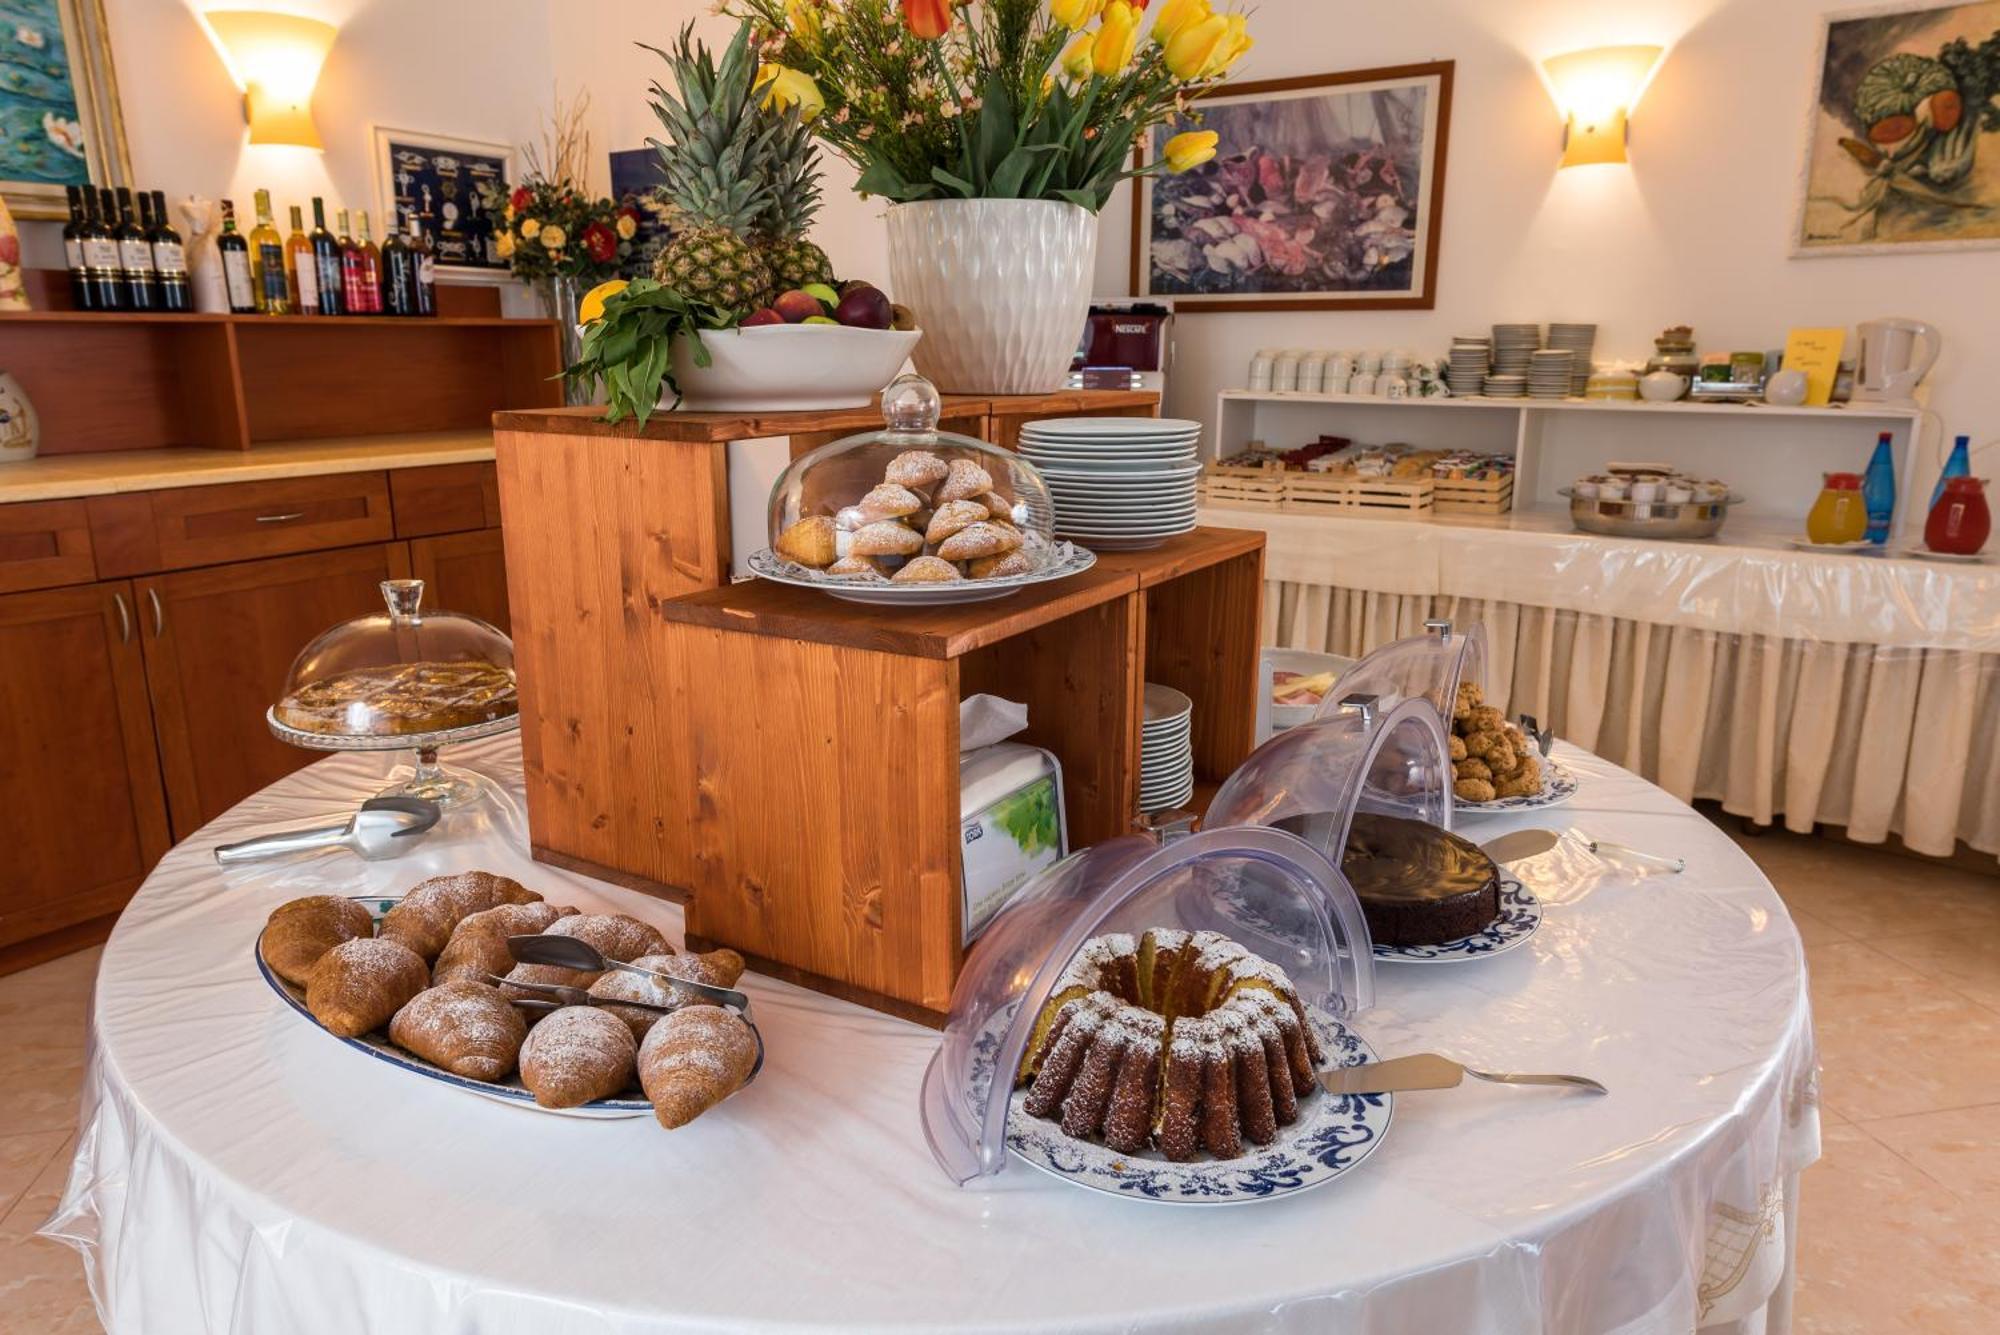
x: 864, y: 308
x: 764, y: 316
x: 797, y: 306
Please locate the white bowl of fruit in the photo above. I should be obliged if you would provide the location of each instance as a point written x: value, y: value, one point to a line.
x: 814, y: 347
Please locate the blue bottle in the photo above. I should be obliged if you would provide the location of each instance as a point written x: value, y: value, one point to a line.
x: 1958, y: 465
x: 1878, y: 490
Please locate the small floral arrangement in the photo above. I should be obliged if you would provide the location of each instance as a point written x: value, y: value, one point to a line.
x: 549, y: 225
x: 1007, y: 99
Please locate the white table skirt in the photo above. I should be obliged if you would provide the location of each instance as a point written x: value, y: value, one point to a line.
x: 240, y: 1172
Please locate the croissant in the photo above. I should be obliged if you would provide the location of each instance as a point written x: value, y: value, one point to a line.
x: 694, y: 1059
x: 981, y: 539
x: 467, y: 1028
x: 617, y: 936
x: 478, y: 945
x: 718, y: 968
x: 964, y: 479
x: 918, y: 469
x: 425, y: 918
x: 299, y: 932
x: 358, y: 985
x: 885, y: 537
x: 952, y: 516
x: 575, y: 1055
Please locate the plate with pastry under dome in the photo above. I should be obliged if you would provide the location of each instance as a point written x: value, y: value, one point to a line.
x: 1114, y: 1029
x: 913, y: 515
x: 1558, y: 785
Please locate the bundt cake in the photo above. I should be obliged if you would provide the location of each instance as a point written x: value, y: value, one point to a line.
x: 1418, y: 885
x: 1182, y: 1040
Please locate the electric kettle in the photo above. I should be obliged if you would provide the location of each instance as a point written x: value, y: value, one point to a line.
x: 1889, y: 370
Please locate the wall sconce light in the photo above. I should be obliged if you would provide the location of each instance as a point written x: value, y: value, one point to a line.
x: 1595, y: 91
x: 275, y: 59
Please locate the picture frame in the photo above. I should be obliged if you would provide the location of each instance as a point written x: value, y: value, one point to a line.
x: 444, y: 181
x: 60, y: 122
x: 1865, y: 189
x: 1360, y: 235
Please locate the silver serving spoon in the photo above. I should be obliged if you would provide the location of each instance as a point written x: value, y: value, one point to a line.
x: 384, y: 827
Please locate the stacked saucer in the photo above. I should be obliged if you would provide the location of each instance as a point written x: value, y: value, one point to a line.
x: 1513, y: 345
x: 1465, y: 369
x: 1580, y: 340
x: 1166, y: 750
x: 1550, y: 374
x: 1506, y: 386
x: 1117, y: 483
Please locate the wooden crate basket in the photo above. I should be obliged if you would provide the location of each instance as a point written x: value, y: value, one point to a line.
x: 1474, y: 496
x: 1375, y: 497
x: 1239, y: 484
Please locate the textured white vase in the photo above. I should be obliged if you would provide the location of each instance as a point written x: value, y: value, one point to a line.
x: 1000, y: 288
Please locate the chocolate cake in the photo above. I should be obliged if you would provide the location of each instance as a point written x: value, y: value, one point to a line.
x: 1418, y: 885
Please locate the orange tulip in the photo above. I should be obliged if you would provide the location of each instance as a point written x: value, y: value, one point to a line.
x: 928, y: 19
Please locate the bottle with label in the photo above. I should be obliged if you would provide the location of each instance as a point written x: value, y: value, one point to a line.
x: 1878, y: 489
x: 72, y: 235
x: 426, y: 264
x: 399, y: 274
x: 100, y: 254
x: 236, y: 275
x: 326, y: 263
x: 300, y: 276
x: 353, y: 297
x: 169, y: 260
x: 371, y: 264
x: 267, y: 261
x: 135, y: 257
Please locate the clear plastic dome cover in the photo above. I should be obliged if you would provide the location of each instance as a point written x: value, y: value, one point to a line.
x: 1267, y: 890
x: 1428, y: 667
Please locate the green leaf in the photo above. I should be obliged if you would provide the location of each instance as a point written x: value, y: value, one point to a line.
x: 882, y: 178
x: 1013, y: 170
x: 1084, y: 198
x: 959, y: 184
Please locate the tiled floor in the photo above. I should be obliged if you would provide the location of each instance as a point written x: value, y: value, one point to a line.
x: 1901, y: 1228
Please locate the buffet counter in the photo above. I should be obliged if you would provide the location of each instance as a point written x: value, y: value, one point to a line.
x: 238, y: 1170
x: 113, y: 472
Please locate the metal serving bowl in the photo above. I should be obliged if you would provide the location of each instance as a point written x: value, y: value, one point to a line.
x: 1649, y: 519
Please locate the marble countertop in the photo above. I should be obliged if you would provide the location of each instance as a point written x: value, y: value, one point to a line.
x: 66, y: 476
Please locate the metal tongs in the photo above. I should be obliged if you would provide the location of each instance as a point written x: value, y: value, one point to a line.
x: 384, y: 827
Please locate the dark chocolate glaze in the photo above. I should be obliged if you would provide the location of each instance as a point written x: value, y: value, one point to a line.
x: 1418, y: 884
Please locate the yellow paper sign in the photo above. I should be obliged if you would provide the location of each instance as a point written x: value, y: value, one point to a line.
x: 1817, y: 353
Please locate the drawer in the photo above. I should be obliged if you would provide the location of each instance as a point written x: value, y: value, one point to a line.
x: 199, y: 526
x: 446, y: 498
x: 44, y: 544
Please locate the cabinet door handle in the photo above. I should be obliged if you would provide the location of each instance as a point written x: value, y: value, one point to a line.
x: 159, y: 616
x: 124, y: 618
x: 284, y: 518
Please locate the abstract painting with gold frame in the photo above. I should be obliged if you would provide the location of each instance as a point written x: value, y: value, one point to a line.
x: 1326, y: 193
x: 59, y: 119
x: 1903, y: 152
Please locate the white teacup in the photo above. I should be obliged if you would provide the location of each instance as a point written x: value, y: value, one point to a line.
x: 1337, y: 384
x: 1340, y: 366
x: 1363, y: 381
x: 1394, y: 387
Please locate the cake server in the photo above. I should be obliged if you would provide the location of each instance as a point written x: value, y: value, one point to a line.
x: 1428, y: 1070
x: 563, y: 995
x: 1519, y: 845
x: 384, y: 827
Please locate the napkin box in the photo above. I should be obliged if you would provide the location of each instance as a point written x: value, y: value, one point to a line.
x: 1011, y: 825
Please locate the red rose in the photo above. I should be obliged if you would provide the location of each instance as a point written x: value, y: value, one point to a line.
x: 520, y: 199
x: 601, y: 242
x: 629, y: 212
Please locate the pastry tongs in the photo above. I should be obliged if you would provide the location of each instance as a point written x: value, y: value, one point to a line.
x: 384, y: 827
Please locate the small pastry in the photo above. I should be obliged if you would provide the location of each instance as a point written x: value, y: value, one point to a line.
x: 299, y: 932
x: 1485, y: 718
x: 996, y: 505
x: 855, y: 565
x: 1473, y: 769
x: 810, y: 542
x: 694, y: 1059
x: 1016, y: 562
x: 427, y: 915
x: 1479, y: 743
x: 927, y: 570
x: 358, y: 985
x: 1458, y: 752
x: 978, y: 540
x: 952, y: 516
x: 467, y: 1028
x: 478, y: 946
x: 1503, y: 760
x: 1473, y: 790
x: 616, y: 937
x: 718, y: 968
x: 577, y: 1054
x: 965, y: 480
x: 1516, y: 786
x: 917, y: 469
x: 888, y: 501
x: 886, y: 537
x: 848, y: 518
x: 1529, y: 772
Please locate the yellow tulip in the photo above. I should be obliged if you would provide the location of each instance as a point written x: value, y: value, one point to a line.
x: 785, y: 88
x: 1234, y: 44
x: 1175, y: 15
x: 1075, y: 14
x: 1075, y: 60
x: 802, y: 21
x: 1190, y: 149
x: 592, y: 308
x: 1117, y: 38
x: 530, y: 226
x: 1193, y: 47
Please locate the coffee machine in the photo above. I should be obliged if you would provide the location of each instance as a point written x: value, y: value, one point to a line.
x: 1127, y: 344
x: 1889, y: 369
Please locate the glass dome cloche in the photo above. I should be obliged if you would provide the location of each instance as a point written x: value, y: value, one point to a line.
x: 912, y: 514
x: 402, y: 679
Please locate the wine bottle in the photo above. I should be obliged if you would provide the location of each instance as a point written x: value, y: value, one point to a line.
x: 300, y: 277
x: 267, y: 261
x: 100, y: 254
x: 326, y: 263
x: 371, y: 264
x: 72, y: 235
x: 353, y: 298
x: 425, y: 255
x: 135, y: 257
x: 236, y: 275
x: 169, y: 260
x: 399, y: 274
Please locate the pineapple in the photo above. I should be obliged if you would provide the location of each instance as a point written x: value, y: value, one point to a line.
x: 717, y: 172
x: 793, y: 260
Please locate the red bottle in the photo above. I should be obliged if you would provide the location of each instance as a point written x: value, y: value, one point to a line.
x: 1959, y: 523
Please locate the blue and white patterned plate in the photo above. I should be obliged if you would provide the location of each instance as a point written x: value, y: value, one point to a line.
x: 1333, y: 1133
x: 1520, y: 917
x: 1558, y: 786
x: 377, y: 1045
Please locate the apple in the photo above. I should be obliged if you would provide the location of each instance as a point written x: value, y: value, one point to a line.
x: 819, y: 319
x: 764, y: 316
x: 865, y: 308
x: 797, y: 306
x: 825, y: 295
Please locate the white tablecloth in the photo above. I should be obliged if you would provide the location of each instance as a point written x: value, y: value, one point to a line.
x: 240, y: 1172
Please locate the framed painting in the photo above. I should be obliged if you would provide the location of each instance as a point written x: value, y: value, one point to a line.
x: 59, y: 119
x: 1903, y: 144
x: 1326, y: 193
x: 635, y: 182
x: 455, y: 187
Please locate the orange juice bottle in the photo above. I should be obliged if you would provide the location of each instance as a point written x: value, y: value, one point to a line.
x: 1840, y: 515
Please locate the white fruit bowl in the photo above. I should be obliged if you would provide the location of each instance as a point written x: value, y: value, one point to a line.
x: 789, y: 367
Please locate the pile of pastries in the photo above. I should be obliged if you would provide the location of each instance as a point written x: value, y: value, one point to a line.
x: 1490, y: 758
x: 926, y: 522
x: 402, y: 698
x: 428, y: 977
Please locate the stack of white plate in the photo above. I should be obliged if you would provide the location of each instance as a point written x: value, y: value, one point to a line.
x: 1118, y: 483
x: 1465, y: 369
x: 1166, y: 750
x: 1580, y: 340
x: 1513, y: 345
x: 1549, y: 374
x: 1506, y: 386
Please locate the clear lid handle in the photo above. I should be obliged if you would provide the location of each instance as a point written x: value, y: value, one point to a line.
x: 911, y: 408
x: 404, y: 596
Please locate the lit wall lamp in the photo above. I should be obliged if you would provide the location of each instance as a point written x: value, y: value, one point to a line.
x: 275, y: 59
x: 1595, y: 90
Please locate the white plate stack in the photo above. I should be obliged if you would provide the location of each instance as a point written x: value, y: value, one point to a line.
x: 1513, y: 345
x: 1465, y: 369
x: 1549, y: 374
x: 1118, y: 483
x: 1506, y: 386
x: 1166, y: 750
x: 1580, y: 341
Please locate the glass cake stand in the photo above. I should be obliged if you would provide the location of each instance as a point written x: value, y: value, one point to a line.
x: 429, y: 777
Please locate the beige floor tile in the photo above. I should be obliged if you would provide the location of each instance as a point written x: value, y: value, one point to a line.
x: 44, y: 1025
x: 1869, y: 894
x: 1816, y: 931
x: 1960, y: 1147
x: 42, y: 1289
x: 22, y: 1159
x: 1966, y: 962
x: 1923, y: 1049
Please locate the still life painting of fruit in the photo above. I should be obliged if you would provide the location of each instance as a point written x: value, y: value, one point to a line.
x: 1905, y: 144
x: 1322, y: 194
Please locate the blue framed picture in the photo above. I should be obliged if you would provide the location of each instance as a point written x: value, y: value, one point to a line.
x: 59, y: 119
x: 635, y: 180
x: 455, y: 187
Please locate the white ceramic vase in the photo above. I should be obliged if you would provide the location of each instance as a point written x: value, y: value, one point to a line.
x: 1000, y: 288
x: 20, y: 429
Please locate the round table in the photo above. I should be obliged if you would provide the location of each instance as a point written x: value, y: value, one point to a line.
x: 240, y: 1171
